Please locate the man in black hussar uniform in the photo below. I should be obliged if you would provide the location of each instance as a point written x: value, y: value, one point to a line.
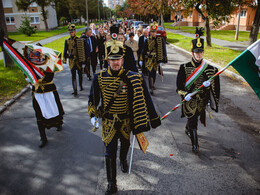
x: 190, y: 77
x: 71, y: 52
x: 154, y: 54
x: 125, y: 106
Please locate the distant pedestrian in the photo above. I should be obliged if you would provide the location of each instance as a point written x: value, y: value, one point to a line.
x: 154, y: 54
x: 71, y: 53
x: 133, y: 45
x: 91, y: 45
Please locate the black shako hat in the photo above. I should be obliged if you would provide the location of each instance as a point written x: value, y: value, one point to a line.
x: 197, y: 44
x: 114, y: 49
x: 71, y: 27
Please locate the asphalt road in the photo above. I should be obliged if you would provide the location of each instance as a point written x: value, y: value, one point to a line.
x: 73, y: 163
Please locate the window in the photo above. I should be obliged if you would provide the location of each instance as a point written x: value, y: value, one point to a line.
x: 190, y: 14
x: 9, y: 20
x: 243, y: 13
x: 35, y: 20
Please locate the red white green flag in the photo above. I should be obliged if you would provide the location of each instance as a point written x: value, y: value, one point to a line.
x: 248, y: 66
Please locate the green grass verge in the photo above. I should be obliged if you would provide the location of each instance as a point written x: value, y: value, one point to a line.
x: 39, y: 35
x: 12, y: 81
x: 217, y: 54
x: 59, y: 43
x: 228, y: 35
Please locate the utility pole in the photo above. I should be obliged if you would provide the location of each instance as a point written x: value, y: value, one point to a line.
x: 98, y: 12
x: 87, y: 13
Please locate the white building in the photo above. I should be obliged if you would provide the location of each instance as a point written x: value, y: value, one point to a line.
x: 13, y: 17
x: 113, y: 3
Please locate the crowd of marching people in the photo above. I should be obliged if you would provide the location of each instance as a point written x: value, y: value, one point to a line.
x: 95, y: 38
x: 119, y: 96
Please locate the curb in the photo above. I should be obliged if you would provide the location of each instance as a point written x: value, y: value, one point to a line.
x: 11, y: 101
x: 226, y: 72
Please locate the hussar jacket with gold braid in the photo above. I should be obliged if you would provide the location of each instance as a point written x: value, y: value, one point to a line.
x: 132, y: 108
x: 71, y: 52
x: 154, y: 52
x: 197, y: 104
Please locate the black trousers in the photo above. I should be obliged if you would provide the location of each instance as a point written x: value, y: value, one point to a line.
x: 73, y: 73
x: 93, y: 62
x: 192, y: 123
x: 111, y: 148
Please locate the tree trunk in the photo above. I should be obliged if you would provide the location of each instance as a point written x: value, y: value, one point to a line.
x: 208, y: 34
x: 8, y: 62
x: 44, y: 15
x: 238, y: 23
x: 255, y: 26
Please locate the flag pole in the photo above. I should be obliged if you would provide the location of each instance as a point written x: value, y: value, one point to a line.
x: 131, y: 158
x: 195, y: 92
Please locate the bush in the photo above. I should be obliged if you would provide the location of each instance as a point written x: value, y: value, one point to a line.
x: 26, y: 27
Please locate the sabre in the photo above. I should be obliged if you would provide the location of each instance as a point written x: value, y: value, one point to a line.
x: 194, y: 92
x: 131, y: 158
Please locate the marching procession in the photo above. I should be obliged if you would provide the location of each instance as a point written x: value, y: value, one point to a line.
x: 119, y: 95
x: 121, y: 64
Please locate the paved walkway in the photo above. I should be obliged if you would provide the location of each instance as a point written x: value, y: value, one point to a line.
x: 50, y: 39
x: 223, y: 43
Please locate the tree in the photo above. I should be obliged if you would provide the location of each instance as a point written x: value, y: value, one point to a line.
x: 255, y: 27
x: 24, y: 5
x: 4, y: 34
x: 26, y: 28
x: 151, y: 8
x: 217, y: 10
x: 62, y: 10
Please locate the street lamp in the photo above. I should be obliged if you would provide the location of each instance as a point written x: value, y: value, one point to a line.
x: 87, y: 12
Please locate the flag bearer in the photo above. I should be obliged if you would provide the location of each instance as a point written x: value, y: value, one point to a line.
x: 190, y: 77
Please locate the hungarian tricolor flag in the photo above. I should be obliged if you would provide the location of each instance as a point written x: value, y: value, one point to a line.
x: 248, y: 65
x: 31, y: 71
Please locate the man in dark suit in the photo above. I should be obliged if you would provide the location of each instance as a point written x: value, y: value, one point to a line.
x: 92, y: 45
x: 129, y: 59
x: 142, y: 39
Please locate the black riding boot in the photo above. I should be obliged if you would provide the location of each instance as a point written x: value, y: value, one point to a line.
x: 194, y: 140
x: 43, y: 136
x: 123, y: 155
x: 74, y: 85
x: 111, y: 176
x: 80, y: 81
x: 150, y: 85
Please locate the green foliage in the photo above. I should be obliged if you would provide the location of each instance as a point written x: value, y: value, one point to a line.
x: 214, y: 53
x: 12, y: 81
x: 26, y: 27
x: 39, y: 35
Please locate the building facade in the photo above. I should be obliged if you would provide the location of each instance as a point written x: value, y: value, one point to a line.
x: 113, y: 3
x: 14, y: 17
x: 247, y: 15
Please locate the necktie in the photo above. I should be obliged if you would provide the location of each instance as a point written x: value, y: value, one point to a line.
x: 90, y: 45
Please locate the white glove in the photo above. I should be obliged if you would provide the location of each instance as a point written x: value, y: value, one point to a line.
x: 94, y: 121
x: 141, y: 63
x: 206, y: 83
x: 187, y: 97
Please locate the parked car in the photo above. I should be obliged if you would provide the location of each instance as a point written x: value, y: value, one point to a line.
x: 128, y: 23
x: 144, y: 26
x: 135, y: 24
x: 161, y: 33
